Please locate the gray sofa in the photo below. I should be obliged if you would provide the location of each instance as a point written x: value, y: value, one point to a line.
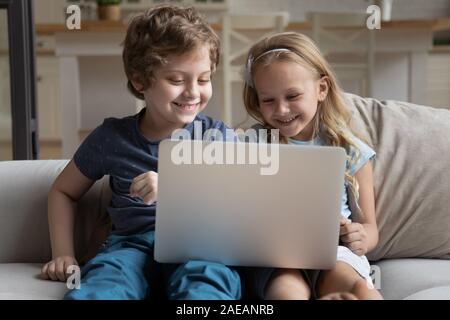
x: 24, y: 235
x: 412, y: 188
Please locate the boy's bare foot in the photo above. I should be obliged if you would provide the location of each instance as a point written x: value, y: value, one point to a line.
x: 339, y: 296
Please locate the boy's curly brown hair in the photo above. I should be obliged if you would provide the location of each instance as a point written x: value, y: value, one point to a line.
x: 162, y: 31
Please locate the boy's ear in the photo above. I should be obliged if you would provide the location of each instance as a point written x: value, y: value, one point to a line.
x: 137, y: 84
x: 323, y: 88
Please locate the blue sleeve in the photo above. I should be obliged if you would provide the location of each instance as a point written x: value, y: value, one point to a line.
x: 366, y: 153
x: 90, y: 156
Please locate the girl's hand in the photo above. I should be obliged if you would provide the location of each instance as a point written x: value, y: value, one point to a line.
x: 145, y: 186
x: 354, y: 236
x: 57, y: 268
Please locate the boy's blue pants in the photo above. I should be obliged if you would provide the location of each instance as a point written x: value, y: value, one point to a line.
x: 124, y: 269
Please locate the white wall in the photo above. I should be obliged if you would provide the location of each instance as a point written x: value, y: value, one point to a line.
x: 402, y: 9
x: 52, y: 11
x: 438, y: 81
x: 49, y: 11
x: 103, y: 91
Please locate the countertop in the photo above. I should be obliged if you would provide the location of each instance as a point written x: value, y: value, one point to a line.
x: 120, y: 26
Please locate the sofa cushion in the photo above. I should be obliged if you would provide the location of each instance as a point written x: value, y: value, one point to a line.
x: 411, y: 176
x: 437, y: 293
x: 402, y: 278
x: 20, y: 281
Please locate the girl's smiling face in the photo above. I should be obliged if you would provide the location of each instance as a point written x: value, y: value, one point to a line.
x: 288, y: 96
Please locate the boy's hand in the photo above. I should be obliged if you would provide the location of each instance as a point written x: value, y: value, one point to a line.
x: 57, y: 268
x: 354, y: 236
x: 145, y: 186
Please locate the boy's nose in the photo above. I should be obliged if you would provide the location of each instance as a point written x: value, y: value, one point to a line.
x: 191, y: 91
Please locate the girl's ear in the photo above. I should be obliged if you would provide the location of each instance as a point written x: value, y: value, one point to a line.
x: 323, y: 88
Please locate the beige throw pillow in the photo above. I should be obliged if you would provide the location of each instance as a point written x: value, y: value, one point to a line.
x: 411, y: 176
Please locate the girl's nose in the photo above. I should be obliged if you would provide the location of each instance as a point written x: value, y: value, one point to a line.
x: 282, y: 107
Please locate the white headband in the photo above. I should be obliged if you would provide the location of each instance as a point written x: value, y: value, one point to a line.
x: 250, y: 61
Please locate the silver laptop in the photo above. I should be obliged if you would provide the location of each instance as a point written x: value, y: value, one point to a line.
x: 273, y: 207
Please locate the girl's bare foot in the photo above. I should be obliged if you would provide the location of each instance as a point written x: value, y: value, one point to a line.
x: 365, y: 292
x: 339, y: 296
x: 359, y: 291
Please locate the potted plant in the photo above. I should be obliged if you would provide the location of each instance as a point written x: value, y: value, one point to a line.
x: 109, y: 9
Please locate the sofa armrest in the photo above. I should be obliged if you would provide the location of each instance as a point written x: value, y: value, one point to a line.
x: 24, y: 235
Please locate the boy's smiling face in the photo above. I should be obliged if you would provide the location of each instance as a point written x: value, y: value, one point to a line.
x: 180, y: 90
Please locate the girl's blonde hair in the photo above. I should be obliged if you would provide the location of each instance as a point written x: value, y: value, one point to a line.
x: 332, y: 120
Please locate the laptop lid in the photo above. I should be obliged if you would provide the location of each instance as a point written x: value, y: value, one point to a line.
x: 280, y: 207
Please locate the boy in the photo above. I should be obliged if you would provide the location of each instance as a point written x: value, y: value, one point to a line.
x: 169, y: 56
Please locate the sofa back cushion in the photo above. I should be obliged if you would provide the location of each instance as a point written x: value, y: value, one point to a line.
x: 411, y: 176
x: 24, y: 235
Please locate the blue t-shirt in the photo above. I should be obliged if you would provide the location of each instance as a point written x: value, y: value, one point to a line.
x: 117, y: 148
x: 366, y: 154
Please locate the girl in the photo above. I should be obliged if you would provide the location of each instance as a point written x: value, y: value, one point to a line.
x: 290, y: 87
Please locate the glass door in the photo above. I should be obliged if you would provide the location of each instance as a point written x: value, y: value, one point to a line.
x: 18, y: 126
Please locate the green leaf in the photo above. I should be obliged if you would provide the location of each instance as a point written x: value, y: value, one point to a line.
x: 108, y: 2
